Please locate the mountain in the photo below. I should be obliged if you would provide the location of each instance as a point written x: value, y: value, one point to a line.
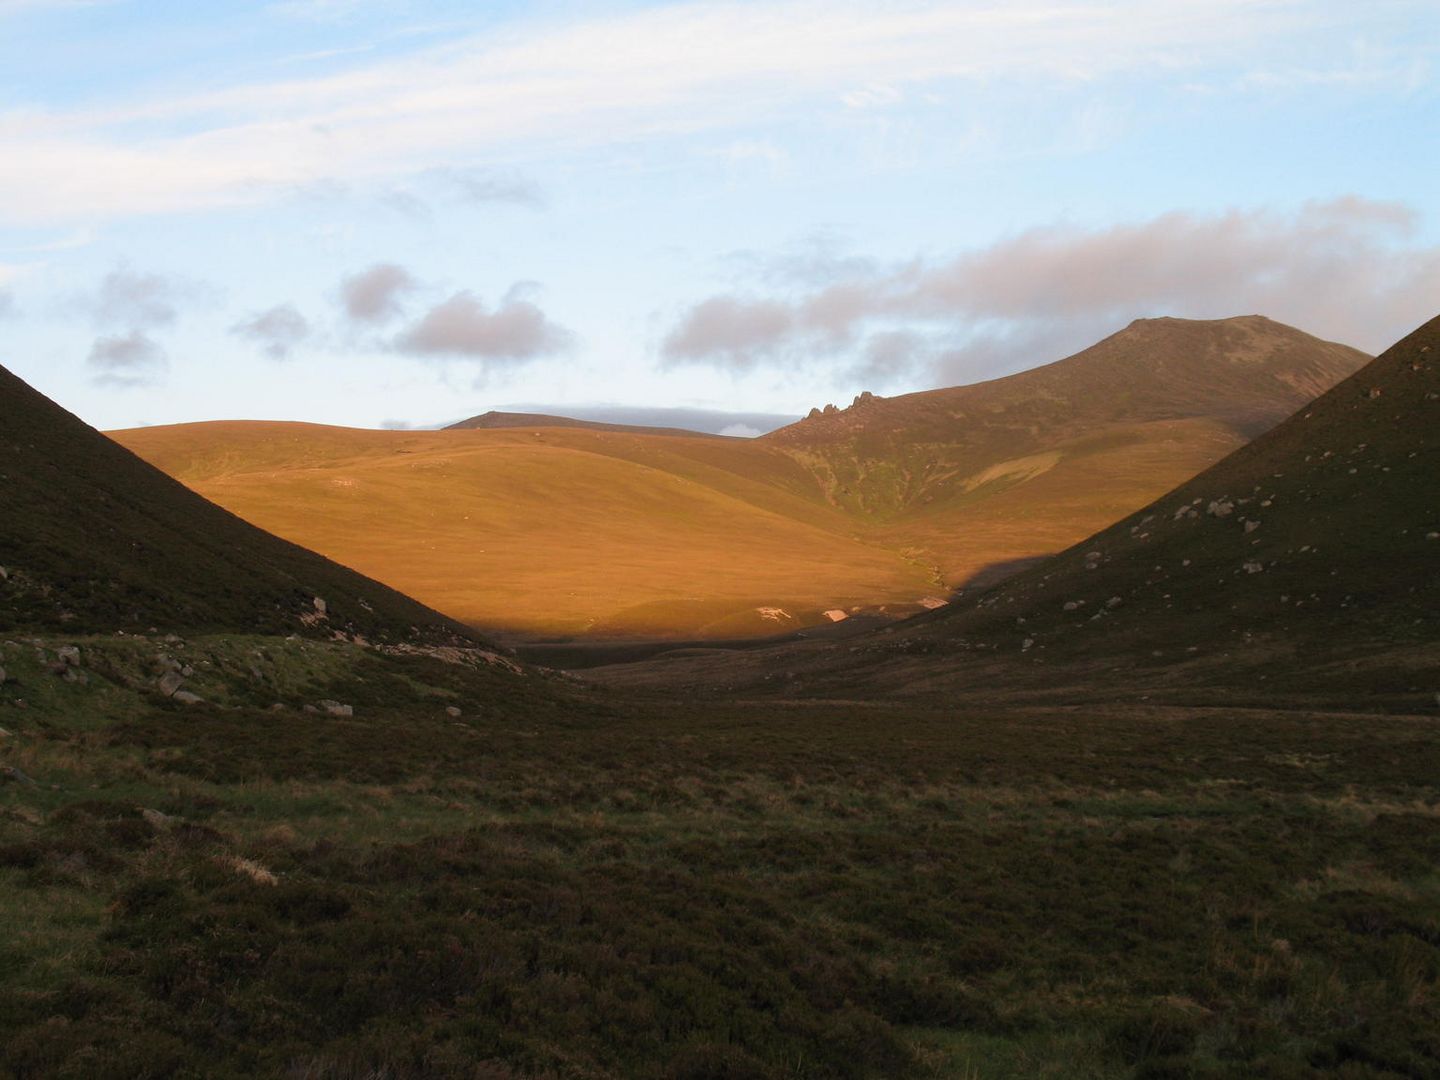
x: 883, y: 508
x: 492, y: 419
x: 1307, y: 562
x: 96, y: 540
x: 985, y: 477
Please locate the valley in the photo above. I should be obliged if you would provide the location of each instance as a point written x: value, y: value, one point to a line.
x: 541, y: 530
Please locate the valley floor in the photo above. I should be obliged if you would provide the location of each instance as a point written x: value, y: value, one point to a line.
x: 570, y: 882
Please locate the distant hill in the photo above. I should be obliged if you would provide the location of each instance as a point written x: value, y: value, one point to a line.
x: 493, y: 419
x: 96, y: 540
x: 608, y: 531
x: 1306, y: 563
x: 986, y: 477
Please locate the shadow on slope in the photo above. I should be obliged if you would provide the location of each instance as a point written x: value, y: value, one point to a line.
x: 96, y: 540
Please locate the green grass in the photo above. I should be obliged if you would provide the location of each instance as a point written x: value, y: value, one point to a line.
x: 578, y: 885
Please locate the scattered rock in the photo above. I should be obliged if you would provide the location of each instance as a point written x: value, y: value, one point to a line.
x: 1071, y: 605
x: 334, y: 708
x: 1220, y: 508
x: 69, y: 654
x: 452, y: 712
x: 1114, y: 602
x: 169, y: 683
x: 1251, y: 526
x: 1253, y: 567
x: 4, y: 574
x: 1092, y: 556
x: 185, y: 697
x: 320, y: 606
x: 157, y: 820
x: 1432, y: 536
x: 1027, y: 643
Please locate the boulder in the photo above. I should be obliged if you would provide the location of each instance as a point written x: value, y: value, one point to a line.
x: 69, y: 654
x: 452, y: 712
x: 185, y: 697
x: 169, y: 683
x: 334, y: 708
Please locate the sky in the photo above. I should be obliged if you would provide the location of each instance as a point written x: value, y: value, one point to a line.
x: 391, y: 213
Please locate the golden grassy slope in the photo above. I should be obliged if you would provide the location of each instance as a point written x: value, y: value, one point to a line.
x: 550, y: 532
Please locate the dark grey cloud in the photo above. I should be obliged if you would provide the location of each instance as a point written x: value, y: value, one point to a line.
x: 516, y: 331
x: 125, y: 361
x: 1348, y: 269
x: 375, y: 295
x: 276, y: 331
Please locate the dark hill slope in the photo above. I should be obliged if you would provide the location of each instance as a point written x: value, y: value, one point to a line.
x: 93, y: 539
x: 493, y: 419
x: 1321, y: 537
x: 1307, y: 560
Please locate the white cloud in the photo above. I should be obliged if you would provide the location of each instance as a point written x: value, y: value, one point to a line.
x: 741, y: 431
x: 641, y: 73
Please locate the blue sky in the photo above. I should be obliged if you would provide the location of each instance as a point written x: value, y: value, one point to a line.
x: 391, y: 212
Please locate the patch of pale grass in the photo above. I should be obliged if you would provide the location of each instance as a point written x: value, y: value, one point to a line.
x: 249, y: 868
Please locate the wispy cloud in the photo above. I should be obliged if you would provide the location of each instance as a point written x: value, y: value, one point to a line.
x: 276, y: 331
x: 127, y: 361
x: 638, y: 74
x: 1347, y: 269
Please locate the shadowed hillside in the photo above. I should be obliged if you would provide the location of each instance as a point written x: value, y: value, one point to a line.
x: 1307, y: 560
x: 95, y: 540
x: 604, y: 531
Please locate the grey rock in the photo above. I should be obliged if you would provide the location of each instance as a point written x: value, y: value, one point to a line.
x: 169, y: 683
x: 69, y: 654
x: 320, y: 606
x: 185, y: 697
x: 452, y: 711
x: 1114, y: 602
x: 1220, y: 508
x: 157, y: 820
x: 334, y: 708
x: 13, y: 775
